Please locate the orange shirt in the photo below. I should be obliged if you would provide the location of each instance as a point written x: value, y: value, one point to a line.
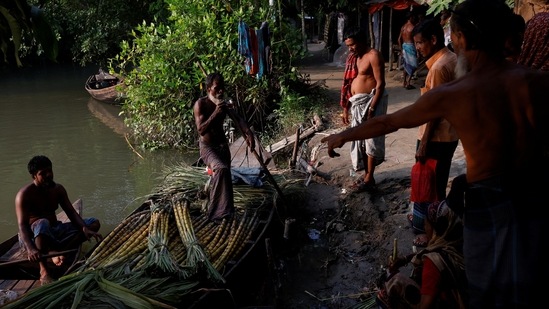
x: 441, y: 70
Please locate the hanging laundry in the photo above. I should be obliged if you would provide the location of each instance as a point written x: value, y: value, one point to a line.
x: 255, y: 46
x: 254, y: 67
x: 266, y: 63
x: 244, y: 45
x: 261, y: 65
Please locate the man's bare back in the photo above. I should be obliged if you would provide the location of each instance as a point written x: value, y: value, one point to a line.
x: 406, y: 33
x: 504, y: 144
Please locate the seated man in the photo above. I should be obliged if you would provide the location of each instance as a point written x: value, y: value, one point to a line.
x: 39, y: 230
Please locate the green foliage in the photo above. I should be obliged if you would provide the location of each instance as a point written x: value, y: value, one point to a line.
x: 24, y: 30
x: 84, y: 32
x: 91, y: 31
x: 165, y: 64
x: 437, y: 6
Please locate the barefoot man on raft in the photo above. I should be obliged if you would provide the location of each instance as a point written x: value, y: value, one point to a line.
x: 39, y: 230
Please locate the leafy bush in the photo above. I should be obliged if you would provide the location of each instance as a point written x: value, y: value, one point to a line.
x: 91, y: 31
x: 165, y: 64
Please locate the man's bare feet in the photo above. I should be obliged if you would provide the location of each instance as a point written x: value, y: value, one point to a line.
x: 45, y: 277
x: 369, y: 180
x: 57, y: 260
x: 46, y: 280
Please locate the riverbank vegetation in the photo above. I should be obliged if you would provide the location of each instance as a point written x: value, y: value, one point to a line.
x: 165, y: 65
x: 164, y: 49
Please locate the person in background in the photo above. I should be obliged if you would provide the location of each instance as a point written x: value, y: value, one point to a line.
x: 437, y: 139
x: 39, y: 230
x: 363, y: 95
x: 445, y: 23
x: 409, y: 53
x: 499, y: 110
x: 210, y: 112
x: 535, y: 45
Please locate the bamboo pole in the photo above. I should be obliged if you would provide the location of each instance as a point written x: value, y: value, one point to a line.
x: 11, y: 263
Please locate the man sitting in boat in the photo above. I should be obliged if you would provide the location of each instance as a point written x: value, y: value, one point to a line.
x: 39, y: 231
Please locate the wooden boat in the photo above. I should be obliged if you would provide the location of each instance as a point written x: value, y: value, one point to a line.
x: 245, y: 273
x: 206, y: 295
x: 105, y: 87
x: 19, y: 275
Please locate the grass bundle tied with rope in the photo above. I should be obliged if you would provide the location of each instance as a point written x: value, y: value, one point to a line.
x: 167, y: 241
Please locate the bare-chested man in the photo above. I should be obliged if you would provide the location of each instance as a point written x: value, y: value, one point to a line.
x: 39, y: 230
x: 363, y: 95
x: 209, y: 113
x: 500, y: 112
x: 409, y: 53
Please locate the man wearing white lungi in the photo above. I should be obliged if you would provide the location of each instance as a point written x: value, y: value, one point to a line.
x: 373, y: 147
x: 363, y: 95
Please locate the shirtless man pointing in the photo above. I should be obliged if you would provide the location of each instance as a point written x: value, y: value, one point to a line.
x: 499, y: 110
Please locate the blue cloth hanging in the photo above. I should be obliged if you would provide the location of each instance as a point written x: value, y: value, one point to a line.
x: 260, y: 54
x: 244, y: 44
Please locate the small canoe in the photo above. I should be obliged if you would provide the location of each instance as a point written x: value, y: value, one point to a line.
x: 105, y: 87
x: 19, y: 275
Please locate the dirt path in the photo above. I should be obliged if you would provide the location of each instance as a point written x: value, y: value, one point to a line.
x: 343, y: 239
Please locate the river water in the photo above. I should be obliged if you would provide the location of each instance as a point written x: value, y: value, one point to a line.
x: 47, y: 111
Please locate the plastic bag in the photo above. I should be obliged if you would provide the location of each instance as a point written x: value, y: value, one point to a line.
x: 423, y: 191
x: 424, y: 182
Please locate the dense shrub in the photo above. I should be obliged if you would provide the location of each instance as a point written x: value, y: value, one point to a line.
x: 165, y: 64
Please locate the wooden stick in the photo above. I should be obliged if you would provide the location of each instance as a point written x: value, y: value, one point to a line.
x: 269, y: 175
x: 133, y: 149
x: 263, y: 165
x: 296, y: 143
x: 43, y: 256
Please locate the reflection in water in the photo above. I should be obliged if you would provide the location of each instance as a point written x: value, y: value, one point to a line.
x: 48, y: 111
x: 109, y: 115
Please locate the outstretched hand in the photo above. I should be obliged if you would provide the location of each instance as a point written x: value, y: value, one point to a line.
x: 333, y: 141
